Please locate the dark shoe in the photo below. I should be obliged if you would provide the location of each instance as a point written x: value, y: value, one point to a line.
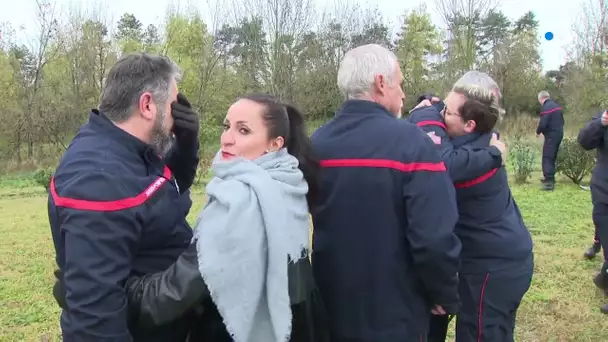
x: 592, y: 251
x: 601, y: 281
x: 548, y: 186
x: 604, y: 309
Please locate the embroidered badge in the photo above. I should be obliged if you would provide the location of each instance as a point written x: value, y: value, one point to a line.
x: 435, y: 138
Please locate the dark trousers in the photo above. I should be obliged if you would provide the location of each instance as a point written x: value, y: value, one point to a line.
x: 489, y: 306
x: 550, y: 149
x: 600, y: 220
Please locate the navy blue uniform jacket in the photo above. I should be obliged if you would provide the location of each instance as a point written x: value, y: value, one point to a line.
x: 464, y: 163
x: 384, y: 248
x: 490, y: 226
x: 115, y: 209
x: 594, y: 136
x: 551, y: 119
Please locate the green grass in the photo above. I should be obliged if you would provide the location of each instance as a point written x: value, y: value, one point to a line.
x: 562, y: 304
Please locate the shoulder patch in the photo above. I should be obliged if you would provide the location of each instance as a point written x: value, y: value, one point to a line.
x: 434, y: 138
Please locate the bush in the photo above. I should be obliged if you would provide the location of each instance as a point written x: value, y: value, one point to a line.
x: 43, y: 177
x: 522, y: 154
x: 573, y: 161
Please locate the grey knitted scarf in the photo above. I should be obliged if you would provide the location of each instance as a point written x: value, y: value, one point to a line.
x: 255, y: 222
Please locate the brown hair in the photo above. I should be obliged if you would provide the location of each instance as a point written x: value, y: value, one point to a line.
x: 287, y: 121
x: 484, y: 115
x: 481, y: 106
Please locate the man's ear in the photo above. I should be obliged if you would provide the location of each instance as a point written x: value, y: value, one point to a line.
x: 380, y: 83
x: 146, y: 106
x: 470, y: 126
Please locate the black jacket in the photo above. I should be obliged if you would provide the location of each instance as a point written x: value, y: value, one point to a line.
x: 490, y: 226
x: 463, y: 163
x: 595, y: 136
x: 116, y: 210
x: 551, y: 121
x: 160, y: 298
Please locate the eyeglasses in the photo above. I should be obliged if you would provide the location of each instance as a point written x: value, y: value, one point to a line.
x: 445, y: 112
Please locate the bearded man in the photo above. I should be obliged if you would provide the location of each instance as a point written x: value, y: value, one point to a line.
x: 119, y: 198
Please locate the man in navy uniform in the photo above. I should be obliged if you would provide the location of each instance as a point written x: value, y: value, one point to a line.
x: 427, y: 115
x: 496, y: 257
x: 119, y: 199
x: 383, y: 258
x: 551, y: 127
x: 594, y: 136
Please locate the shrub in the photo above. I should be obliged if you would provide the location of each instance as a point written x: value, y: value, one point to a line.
x: 43, y: 177
x: 209, y: 137
x: 522, y: 154
x: 573, y: 161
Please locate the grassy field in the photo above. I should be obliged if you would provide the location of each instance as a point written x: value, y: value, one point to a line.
x: 562, y: 304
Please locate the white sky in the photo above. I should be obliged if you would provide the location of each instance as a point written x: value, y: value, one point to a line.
x: 552, y: 17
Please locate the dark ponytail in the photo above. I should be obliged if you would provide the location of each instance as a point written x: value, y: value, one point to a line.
x: 299, y: 145
x: 285, y: 120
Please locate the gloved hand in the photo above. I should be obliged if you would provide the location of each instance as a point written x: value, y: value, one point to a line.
x: 185, y: 121
x: 424, y: 97
x: 430, y: 97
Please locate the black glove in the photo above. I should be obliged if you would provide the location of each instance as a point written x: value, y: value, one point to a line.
x: 185, y: 121
x: 162, y: 297
x: 423, y: 97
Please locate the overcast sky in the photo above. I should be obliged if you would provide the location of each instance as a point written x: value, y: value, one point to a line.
x: 555, y: 18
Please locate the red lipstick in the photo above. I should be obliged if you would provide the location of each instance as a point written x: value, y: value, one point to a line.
x: 227, y: 155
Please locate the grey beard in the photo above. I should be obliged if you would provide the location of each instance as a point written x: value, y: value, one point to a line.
x: 160, y: 140
x: 162, y: 146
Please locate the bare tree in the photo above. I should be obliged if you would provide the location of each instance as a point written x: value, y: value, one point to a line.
x: 31, y: 76
x: 284, y: 22
x: 462, y: 19
x: 591, y: 32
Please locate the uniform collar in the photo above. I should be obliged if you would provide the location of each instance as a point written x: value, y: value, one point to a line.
x: 472, y: 138
x: 465, y: 139
x: 363, y: 107
x: 102, y: 124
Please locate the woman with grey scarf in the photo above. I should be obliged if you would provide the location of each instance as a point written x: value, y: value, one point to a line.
x: 247, y: 268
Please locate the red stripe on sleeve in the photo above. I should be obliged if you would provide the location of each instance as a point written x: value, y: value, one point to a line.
x: 478, y: 180
x: 431, y: 123
x: 385, y: 163
x: 550, y: 111
x: 115, y: 205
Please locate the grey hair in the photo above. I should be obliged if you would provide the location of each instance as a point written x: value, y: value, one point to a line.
x: 133, y: 75
x: 361, y: 65
x: 544, y: 95
x: 480, y: 86
x: 478, y: 78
